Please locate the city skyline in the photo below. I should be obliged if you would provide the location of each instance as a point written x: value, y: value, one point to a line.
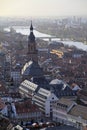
x: 38, y: 8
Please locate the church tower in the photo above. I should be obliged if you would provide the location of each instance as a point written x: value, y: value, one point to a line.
x: 32, y: 51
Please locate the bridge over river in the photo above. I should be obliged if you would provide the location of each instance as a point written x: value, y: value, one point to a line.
x: 50, y: 38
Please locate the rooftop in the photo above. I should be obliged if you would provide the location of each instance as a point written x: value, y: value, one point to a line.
x: 32, y: 69
x: 60, y: 128
x: 26, y: 106
x: 56, y: 81
x: 66, y: 101
x: 79, y: 111
x: 29, y: 85
x: 44, y: 92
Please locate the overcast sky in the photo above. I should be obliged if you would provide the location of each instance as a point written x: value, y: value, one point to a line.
x: 43, y: 7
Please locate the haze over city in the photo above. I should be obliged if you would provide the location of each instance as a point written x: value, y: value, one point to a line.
x: 38, y: 8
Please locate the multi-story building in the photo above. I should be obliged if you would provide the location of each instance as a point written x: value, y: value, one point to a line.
x: 60, y: 110
x: 78, y: 116
x: 16, y: 75
x: 41, y: 97
x: 20, y: 110
x: 44, y: 99
x: 68, y: 112
x: 27, y: 89
x: 28, y: 112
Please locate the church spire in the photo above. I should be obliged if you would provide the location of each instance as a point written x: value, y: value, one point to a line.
x: 31, y: 27
x: 31, y: 37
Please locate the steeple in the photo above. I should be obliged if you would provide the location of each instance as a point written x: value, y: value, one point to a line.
x: 31, y: 27
x: 32, y: 50
x: 31, y: 37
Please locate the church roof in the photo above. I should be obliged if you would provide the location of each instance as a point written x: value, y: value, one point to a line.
x: 32, y: 69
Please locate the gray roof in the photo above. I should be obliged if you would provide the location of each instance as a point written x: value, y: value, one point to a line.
x: 79, y: 111
x: 56, y: 81
x: 32, y: 69
x: 44, y: 92
x: 66, y: 101
x: 61, y: 88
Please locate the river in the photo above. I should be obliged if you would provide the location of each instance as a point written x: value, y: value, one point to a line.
x: 25, y: 31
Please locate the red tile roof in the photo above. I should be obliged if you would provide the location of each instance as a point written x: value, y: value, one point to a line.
x: 26, y: 107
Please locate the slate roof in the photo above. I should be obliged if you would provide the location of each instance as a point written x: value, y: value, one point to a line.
x: 32, y: 69
x: 41, y: 81
x: 61, y: 89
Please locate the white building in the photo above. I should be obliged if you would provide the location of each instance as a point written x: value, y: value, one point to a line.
x: 27, y: 88
x: 60, y: 110
x: 68, y: 112
x: 41, y: 97
x: 17, y: 128
x: 44, y: 99
x: 78, y: 116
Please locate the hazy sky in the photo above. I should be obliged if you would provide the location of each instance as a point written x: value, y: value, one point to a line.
x: 43, y: 7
